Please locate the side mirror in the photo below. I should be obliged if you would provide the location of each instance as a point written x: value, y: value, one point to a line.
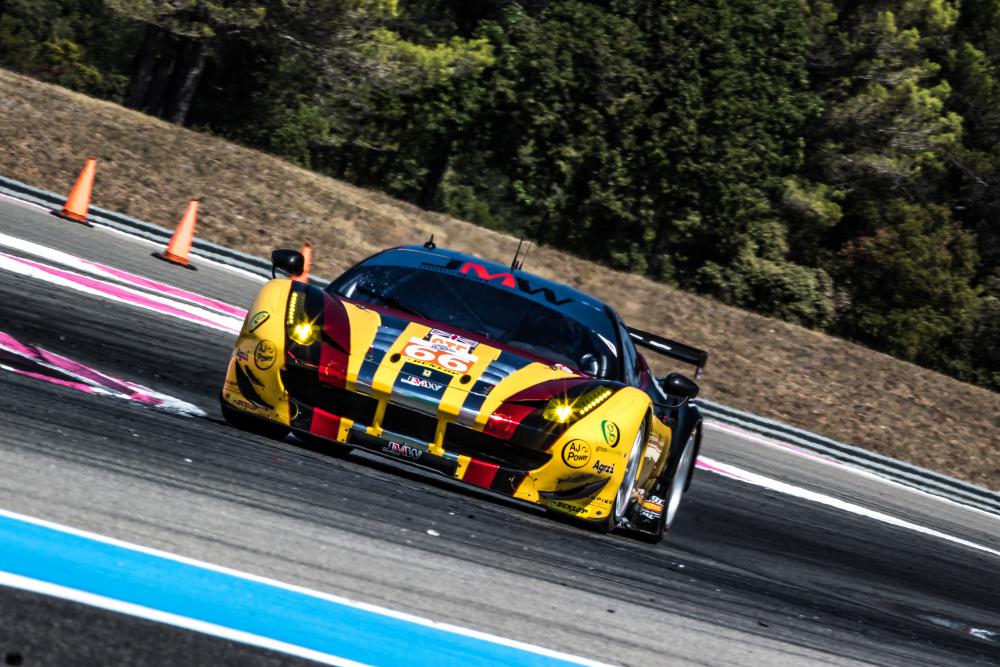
x: 290, y: 261
x: 679, y: 385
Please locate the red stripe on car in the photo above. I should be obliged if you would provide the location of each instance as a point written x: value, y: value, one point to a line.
x: 480, y: 473
x: 324, y: 424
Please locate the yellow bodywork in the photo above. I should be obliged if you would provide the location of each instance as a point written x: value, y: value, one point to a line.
x: 260, y: 349
x: 593, y: 449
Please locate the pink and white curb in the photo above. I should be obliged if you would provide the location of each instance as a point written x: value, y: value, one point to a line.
x: 114, y: 292
x: 51, y: 255
x: 40, y: 364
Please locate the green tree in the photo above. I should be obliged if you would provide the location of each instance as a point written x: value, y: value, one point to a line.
x: 909, y: 282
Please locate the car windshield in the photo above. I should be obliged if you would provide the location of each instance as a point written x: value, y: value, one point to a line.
x: 499, y: 314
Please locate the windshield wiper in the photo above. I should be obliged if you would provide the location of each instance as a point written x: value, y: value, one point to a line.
x: 390, y: 301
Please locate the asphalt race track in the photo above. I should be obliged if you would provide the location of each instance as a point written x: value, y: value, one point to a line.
x: 750, y: 575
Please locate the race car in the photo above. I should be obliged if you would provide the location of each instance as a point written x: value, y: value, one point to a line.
x: 486, y: 374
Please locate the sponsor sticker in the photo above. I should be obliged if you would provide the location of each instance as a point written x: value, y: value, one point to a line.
x: 265, y: 354
x: 402, y: 451
x: 448, y: 354
x: 576, y: 453
x: 257, y: 320
x: 610, y: 431
x: 653, y: 504
x: 414, y: 381
x: 242, y: 355
x: 604, y: 468
x: 241, y: 404
x: 566, y: 507
x: 450, y: 342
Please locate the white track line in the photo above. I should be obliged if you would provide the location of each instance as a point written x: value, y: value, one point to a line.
x: 383, y: 611
x: 732, y: 472
x: 101, y: 602
x: 847, y: 467
x: 51, y: 255
x: 126, y: 295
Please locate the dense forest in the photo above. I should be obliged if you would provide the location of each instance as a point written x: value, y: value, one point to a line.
x: 829, y: 162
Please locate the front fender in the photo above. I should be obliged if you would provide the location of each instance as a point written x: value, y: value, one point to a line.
x: 253, y: 379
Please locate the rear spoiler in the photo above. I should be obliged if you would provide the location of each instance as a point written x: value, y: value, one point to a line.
x: 671, y: 348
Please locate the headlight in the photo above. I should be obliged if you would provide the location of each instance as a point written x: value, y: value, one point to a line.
x: 303, y: 333
x: 300, y: 327
x: 562, y: 410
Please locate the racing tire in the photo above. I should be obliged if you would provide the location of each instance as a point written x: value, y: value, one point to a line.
x: 676, y: 485
x: 680, y: 480
x: 251, y: 424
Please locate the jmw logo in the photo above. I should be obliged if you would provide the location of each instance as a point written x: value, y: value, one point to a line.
x: 404, y: 451
x: 506, y: 279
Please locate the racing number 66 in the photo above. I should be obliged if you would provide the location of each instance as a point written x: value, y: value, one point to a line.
x: 420, y: 351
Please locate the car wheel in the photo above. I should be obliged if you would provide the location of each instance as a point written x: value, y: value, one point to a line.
x: 251, y: 424
x: 680, y: 480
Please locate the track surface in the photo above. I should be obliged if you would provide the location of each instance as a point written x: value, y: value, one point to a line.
x: 747, y: 576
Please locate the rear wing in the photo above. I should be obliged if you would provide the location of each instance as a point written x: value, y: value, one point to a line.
x: 671, y: 348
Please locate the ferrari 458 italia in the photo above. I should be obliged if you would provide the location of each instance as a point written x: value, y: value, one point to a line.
x: 484, y: 373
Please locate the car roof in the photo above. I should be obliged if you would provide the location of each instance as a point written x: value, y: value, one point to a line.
x: 588, y: 309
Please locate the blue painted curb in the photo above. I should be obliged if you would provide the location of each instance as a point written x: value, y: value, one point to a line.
x: 200, y: 592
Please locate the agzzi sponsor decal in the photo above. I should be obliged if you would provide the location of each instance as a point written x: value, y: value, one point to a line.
x: 420, y: 382
x: 604, y: 468
x: 242, y: 355
x: 402, y: 451
x: 576, y: 453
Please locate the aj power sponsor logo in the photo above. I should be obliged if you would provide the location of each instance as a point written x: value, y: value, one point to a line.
x: 576, y: 453
x: 265, y: 354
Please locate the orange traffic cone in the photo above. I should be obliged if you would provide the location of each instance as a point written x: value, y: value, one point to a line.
x: 180, y: 243
x: 307, y: 255
x: 78, y: 203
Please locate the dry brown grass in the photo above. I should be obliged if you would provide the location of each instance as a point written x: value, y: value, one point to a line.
x: 255, y: 202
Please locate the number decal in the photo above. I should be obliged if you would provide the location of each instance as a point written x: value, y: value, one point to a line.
x: 454, y: 361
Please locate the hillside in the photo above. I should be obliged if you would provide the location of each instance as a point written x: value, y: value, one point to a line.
x: 254, y: 202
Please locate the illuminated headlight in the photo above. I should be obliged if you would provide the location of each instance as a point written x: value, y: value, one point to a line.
x: 303, y: 333
x: 562, y: 410
x: 300, y: 327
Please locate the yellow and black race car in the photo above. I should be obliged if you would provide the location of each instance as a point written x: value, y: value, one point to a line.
x: 489, y: 375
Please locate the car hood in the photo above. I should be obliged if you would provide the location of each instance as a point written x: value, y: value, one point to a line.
x: 427, y: 366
